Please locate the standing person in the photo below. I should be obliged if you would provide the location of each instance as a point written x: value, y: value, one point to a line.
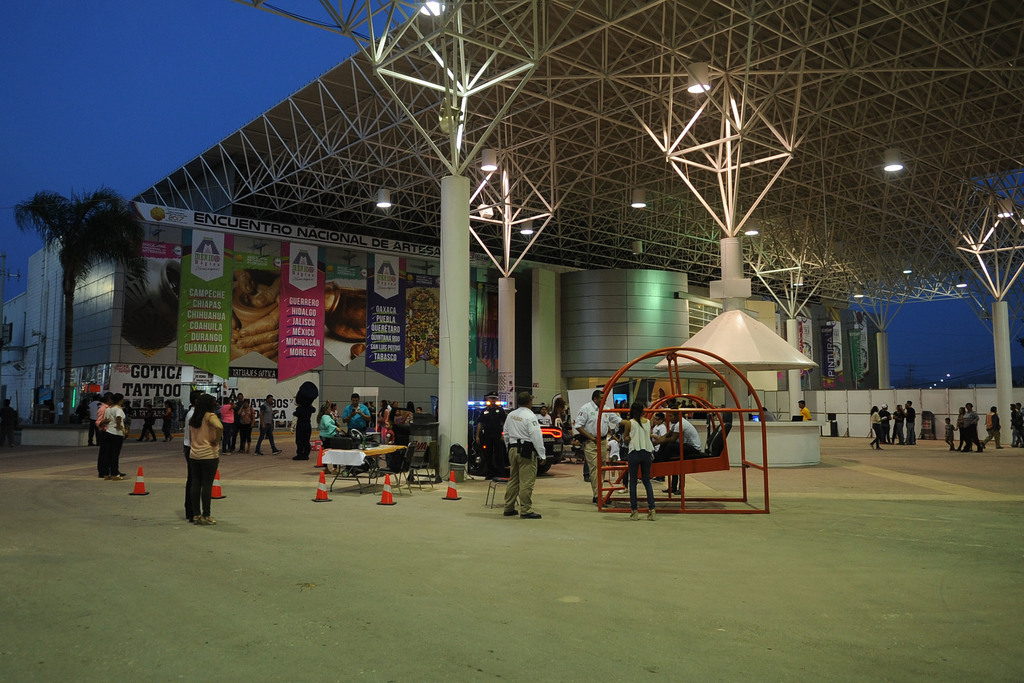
x: 637, y: 433
x: 243, y: 425
x: 94, y: 431
x: 383, y: 420
x: 267, y: 425
x: 960, y: 427
x: 116, y: 430
x: 101, y: 435
x: 897, y: 425
x: 876, y: 428
x: 884, y: 420
x: 8, y: 421
x: 356, y: 415
x: 186, y: 440
x: 1017, y: 425
x: 207, y: 435
x: 227, y: 420
x: 401, y: 421
x: 949, y: 434
x: 305, y: 399
x: 488, y: 438
x: 237, y: 403
x: 525, y: 448
x: 168, y: 420
x: 587, y: 428
x: 993, y: 428
x: 911, y: 424
x: 805, y: 413
x: 970, y: 429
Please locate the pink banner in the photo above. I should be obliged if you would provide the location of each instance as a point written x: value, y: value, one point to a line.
x: 302, y: 310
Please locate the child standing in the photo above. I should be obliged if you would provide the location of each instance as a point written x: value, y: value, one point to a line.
x: 949, y: 434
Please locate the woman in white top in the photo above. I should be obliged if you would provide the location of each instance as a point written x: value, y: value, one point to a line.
x: 637, y: 433
x: 205, y: 434
x: 116, y: 429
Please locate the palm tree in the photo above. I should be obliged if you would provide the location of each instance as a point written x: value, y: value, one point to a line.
x: 88, y: 229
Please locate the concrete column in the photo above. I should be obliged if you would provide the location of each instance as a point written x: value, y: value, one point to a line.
x: 453, y: 335
x: 547, y: 376
x: 1004, y: 368
x: 507, y: 341
x: 732, y: 272
x: 795, y: 390
x: 882, y: 347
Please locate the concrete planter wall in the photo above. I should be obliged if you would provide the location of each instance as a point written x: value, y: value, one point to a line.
x: 55, y: 435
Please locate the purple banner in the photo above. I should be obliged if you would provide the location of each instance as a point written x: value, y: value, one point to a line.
x: 385, y: 316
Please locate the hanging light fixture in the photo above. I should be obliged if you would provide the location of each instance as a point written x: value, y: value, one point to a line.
x: 639, y: 199
x: 908, y: 271
x: 753, y: 228
x: 383, y: 198
x: 1005, y: 208
x: 638, y: 247
x: 961, y: 285
x: 489, y: 161
x: 893, y: 160
x: 485, y: 210
x: 700, y: 80
x: 526, y: 228
x: 432, y: 9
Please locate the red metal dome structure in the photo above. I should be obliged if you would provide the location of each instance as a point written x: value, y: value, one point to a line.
x: 715, y: 458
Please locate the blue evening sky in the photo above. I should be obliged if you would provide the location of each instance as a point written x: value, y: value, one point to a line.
x: 122, y: 92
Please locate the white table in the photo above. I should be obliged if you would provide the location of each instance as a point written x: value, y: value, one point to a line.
x: 343, y: 459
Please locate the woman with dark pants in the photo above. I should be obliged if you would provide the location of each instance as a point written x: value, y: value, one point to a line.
x: 187, y: 447
x: 168, y: 420
x: 637, y: 433
x: 116, y: 430
x: 243, y: 424
x: 206, y: 433
x: 227, y: 420
x: 876, y: 428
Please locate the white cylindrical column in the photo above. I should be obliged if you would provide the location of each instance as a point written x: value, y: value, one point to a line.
x: 732, y: 271
x: 453, y: 335
x: 882, y: 349
x: 1004, y: 368
x: 507, y: 341
x: 795, y: 390
x: 547, y: 372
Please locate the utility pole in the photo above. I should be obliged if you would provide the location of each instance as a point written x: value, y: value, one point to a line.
x: 5, y: 338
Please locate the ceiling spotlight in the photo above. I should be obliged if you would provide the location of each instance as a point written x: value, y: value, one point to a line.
x: 753, y: 228
x: 961, y: 285
x: 526, y: 228
x: 639, y: 199
x: 488, y: 161
x: 893, y: 160
x: 383, y: 198
x: 485, y: 211
x: 908, y: 271
x: 700, y: 80
x: 858, y: 294
x: 1005, y: 208
x: 432, y: 9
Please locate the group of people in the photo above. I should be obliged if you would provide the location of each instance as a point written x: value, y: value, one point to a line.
x: 967, y: 422
x: 391, y: 421
x: 899, y: 427
x: 148, y: 415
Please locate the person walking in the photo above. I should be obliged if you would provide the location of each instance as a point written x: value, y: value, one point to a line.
x: 637, y: 433
x: 993, y: 428
x: 971, y: 429
x: 525, y: 445
x: 960, y: 427
x: 267, y: 426
x: 1017, y: 425
x: 243, y: 424
x: 876, y: 427
x: 168, y: 420
x: 949, y: 434
x: 8, y: 421
x: 206, y: 433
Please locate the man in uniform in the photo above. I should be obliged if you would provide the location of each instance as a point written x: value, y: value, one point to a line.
x: 586, y: 426
x: 488, y: 438
x: 525, y: 449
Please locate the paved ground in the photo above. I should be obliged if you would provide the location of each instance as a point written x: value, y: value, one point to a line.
x: 906, y: 564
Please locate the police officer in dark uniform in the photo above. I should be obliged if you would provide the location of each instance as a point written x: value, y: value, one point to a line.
x: 489, y: 427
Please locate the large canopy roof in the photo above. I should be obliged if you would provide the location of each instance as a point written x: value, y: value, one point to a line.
x: 814, y: 91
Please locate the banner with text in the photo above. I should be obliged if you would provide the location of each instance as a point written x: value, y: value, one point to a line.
x: 345, y: 310
x: 833, y: 351
x: 422, y: 318
x: 803, y: 330
x: 204, y: 315
x: 302, y: 310
x: 255, y: 313
x: 385, y: 315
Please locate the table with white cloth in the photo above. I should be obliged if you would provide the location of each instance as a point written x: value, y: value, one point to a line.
x: 358, y: 464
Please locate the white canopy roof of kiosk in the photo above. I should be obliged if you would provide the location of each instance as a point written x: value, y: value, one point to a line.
x: 745, y: 342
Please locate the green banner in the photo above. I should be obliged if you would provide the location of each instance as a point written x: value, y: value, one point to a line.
x: 204, y: 314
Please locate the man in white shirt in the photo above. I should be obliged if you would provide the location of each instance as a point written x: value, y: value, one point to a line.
x: 544, y: 418
x: 525, y: 445
x: 586, y: 426
x: 668, y: 445
x: 94, y: 407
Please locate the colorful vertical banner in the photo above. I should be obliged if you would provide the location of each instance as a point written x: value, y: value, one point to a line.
x: 487, y: 326
x: 422, y: 318
x: 345, y: 310
x: 151, y: 303
x: 255, y: 311
x: 832, y: 350
x: 301, y: 343
x: 385, y: 315
x: 804, y: 331
x: 204, y: 316
x: 859, y: 358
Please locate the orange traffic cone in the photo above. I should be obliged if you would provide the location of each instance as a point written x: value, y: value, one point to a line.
x: 215, y: 491
x: 385, y: 496
x: 452, y: 493
x: 140, y: 485
x: 321, y: 490
x: 319, y: 453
